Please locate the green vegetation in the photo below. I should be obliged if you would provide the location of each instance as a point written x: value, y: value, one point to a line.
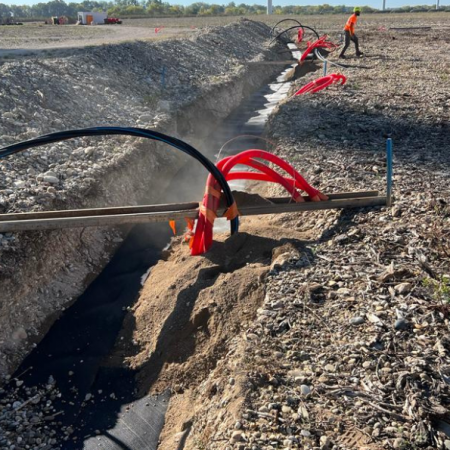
x: 440, y: 288
x: 158, y: 8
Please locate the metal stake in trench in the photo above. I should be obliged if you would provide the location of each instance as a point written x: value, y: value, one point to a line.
x: 389, y: 172
x: 325, y: 63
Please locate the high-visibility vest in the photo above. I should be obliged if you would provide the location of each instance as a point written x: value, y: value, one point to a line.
x: 351, y: 23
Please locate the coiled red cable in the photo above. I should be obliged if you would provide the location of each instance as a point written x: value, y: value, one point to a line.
x: 203, y: 237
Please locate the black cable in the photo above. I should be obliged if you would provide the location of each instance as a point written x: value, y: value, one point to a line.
x: 281, y: 21
x: 296, y: 26
x: 137, y: 132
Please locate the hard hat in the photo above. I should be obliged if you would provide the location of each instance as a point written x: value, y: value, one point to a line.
x: 356, y: 9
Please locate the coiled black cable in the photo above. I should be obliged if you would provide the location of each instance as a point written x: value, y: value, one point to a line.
x: 292, y: 28
x: 137, y: 132
x: 272, y: 31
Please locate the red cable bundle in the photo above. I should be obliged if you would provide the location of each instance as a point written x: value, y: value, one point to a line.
x: 202, y: 239
x: 320, y: 43
x: 322, y: 83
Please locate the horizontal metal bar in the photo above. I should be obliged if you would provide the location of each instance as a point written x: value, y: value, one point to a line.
x: 95, y: 221
x: 337, y: 196
x: 116, y: 210
x: 312, y: 206
x: 164, y: 216
x: 120, y: 210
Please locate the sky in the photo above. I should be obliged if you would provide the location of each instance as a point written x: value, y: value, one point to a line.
x: 372, y: 3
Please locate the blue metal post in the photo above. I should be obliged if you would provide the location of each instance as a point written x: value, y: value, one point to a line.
x: 389, y: 172
x: 325, y: 68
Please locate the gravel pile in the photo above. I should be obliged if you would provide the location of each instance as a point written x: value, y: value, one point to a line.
x: 120, y: 85
x: 28, y: 419
x: 351, y: 347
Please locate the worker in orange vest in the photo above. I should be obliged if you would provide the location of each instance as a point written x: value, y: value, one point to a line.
x: 350, y: 35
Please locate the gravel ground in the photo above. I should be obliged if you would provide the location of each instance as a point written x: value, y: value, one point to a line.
x: 26, y: 39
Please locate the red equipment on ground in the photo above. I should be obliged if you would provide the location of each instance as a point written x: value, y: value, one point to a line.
x: 322, y: 83
x: 202, y: 239
x: 112, y: 21
x: 320, y: 43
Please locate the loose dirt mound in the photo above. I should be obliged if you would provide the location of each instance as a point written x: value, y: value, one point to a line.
x: 191, y: 307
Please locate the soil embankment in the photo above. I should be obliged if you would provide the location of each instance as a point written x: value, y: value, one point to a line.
x: 180, y: 87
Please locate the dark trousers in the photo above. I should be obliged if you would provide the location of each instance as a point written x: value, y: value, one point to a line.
x: 348, y: 38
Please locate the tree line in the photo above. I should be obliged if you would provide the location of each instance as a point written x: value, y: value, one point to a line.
x: 158, y: 8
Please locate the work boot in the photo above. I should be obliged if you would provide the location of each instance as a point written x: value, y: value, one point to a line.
x: 341, y: 56
x: 359, y: 54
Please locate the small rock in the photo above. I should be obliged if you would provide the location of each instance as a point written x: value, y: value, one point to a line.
x: 403, y: 288
x: 49, y: 179
x: 305, y: 390
x: 20, y: 184
x: 343, y: 291
x: 358, y: 320
x: 314, y: 287
x: 237, y: 436
x: 401, y: 324
x: 325, y: 442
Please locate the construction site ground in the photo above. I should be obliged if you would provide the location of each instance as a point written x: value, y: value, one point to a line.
x: 325, y: 329
x: 328, y: 329
x: 50, y: 40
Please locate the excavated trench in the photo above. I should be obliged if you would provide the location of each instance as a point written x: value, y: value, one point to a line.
x: 103, y: 406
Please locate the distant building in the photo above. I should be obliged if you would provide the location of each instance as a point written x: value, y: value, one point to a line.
x: 92, y: 18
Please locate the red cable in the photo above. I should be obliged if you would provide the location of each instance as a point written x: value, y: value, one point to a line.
x: 204, y: 231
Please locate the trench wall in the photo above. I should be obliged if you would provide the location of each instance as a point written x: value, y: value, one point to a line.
x: 41, y: 273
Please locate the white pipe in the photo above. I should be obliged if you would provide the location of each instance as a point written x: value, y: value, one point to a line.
x: 269, y: 7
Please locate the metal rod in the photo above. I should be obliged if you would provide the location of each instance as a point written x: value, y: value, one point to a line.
x: 119, y: 210
x: 389, y: 172
x: 166, y: 207
x: 325, y: 68
x: 164, y: 216
x: 336, y: 196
